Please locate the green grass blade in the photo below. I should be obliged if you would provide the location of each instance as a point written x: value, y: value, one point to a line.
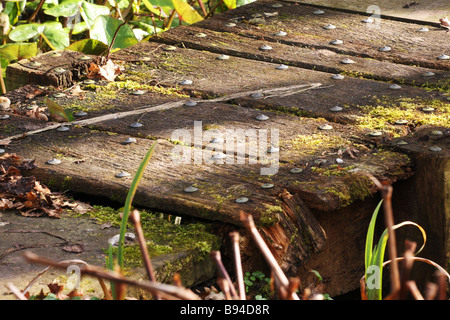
x: 370, y: 235
x: 129, y: 200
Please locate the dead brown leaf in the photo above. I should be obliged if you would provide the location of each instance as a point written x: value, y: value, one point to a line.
x: 445, y: 23
x: 109, y: 71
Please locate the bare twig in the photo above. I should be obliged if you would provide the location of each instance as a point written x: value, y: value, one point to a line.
x: 410, y: 248
x: 279, y: 275
x: 412, y: 286
x: 386, y: 192
x: 166, y: 291
x: 237, y: 263
x: 136, y: 220
x: 33, y: 15
x: 215, y: 255
x: 19, y: 295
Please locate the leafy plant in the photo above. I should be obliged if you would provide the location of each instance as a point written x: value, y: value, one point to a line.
x: 256, y: 284
x: 374, y: 255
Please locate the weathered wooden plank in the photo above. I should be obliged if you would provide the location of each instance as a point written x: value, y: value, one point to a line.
x: 304, y: 28
x: 55, y: 68
x: 427, y: 10
x: 90, y: 161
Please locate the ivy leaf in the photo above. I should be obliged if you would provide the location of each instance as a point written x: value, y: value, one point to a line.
x: 17, y: 51
x: 89, y: 46
x: 58, y: 37
x: 90, y: 12
x: 25, y: 32
x: 186, y: 12
x: 231, y: 4
x: 104, y: 29
x: 66, y: 9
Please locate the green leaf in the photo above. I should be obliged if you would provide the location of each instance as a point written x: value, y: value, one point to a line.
x: 57, y: 112
x: 25, y: 32
x: 66, y: 9
x: 231, y: 4
x: 131, y: 192
x: 89, y: 46
x: 186, y: 12
x: 17, y: 51
x: 91, y: 11
x: 104, y: 29
x: 57, y: 37
x: 13, y: 10
x: 370, y: 235
x: 78, y: 28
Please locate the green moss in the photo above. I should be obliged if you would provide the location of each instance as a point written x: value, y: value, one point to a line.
x: 382, y: 113
x: 270, y: 216
x: 162, y: 235
x: 313, y: 142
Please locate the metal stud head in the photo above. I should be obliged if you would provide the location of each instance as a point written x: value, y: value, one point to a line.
x: 296, y: 170
x: 265, y: 47
x: 329, y: 27
x: 169, y: 48
x: 137, y: 92
x: 325, y: 127
x: 277, y: 5
x: 80, y: 114
x: 34, y: 64
x: 339, y: 160
x: 347, y: 61
x: 217, y: 140
x: 319, y: 12
x: 63, y: 128
x: 336, y: 42
x: 185, y: 82
x: 367, y: 20
x: 428, y: 109
x: 242, y: 200
x: 257, y: 95
x: 267, y: 185
x: 435, y: 149
x: 2, y: 151
x: 219, y: 156
x: 122, y: 174
x: 436, y: 133
x: 136, y: 125
x: 429, y: 74
x: 223, y: 57
x: 59, y: 70
x: 190, y: 103
x: 230, y: 25
x: 375, y: 133
x: 59, y: 95
x: 261, y: 117
x: 190, y: 189
x: 443, y: 57
x: 337, y: 77
x: 85, y: 58
x: 423, y: 29
x: 55, y: 55
x: 401, y: 122
x: 282, y: 67
x: 129, y: 140
x: 280, y: 34
x: 201, y: 35
x: 273, y: 150
x: 4, y: 117
x: 53, y: 161
x: 335, y: 109
x: 401, y: 143
x: 395, y: 86
x: 385, y: 49
x: 89, y: 81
